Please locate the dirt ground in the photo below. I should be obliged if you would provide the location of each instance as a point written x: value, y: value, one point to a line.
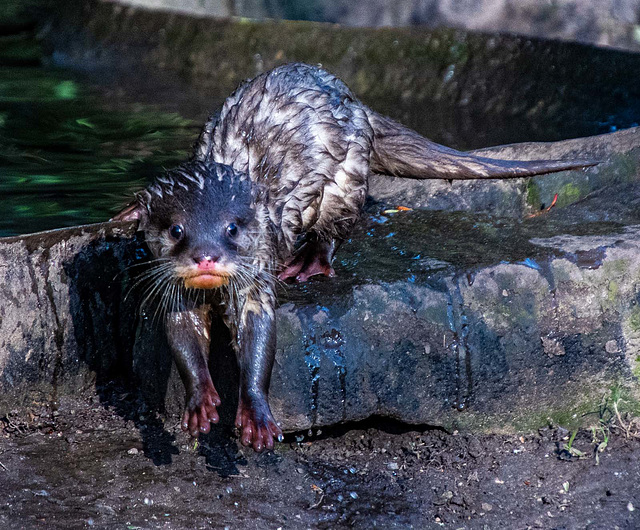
x: 108, y: 464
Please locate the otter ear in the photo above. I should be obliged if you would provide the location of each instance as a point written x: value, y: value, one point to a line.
x: 134, y: 211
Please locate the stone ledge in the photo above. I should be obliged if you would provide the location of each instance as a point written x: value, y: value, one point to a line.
x: 513, y: 322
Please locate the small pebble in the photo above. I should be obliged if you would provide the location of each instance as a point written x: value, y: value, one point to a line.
x: 229, y: 490
x: 393, y: 465
x: 148, y: 501
x: 133, y: 451
x: 486, y: 507
x: 354, y: 495
x: 611, y: 346
x: 630, y: 507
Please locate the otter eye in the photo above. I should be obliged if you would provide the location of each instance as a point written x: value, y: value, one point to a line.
x: 232, y: 229
x: 176, y: 232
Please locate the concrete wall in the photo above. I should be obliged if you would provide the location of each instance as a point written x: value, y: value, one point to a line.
x: 601, y: 22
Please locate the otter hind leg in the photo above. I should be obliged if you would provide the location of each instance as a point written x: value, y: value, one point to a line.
x: 313, y: 259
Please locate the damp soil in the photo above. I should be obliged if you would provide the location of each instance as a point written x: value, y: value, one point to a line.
x: 109, y: 464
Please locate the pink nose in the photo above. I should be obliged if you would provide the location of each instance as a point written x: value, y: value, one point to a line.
x: 207, y: 262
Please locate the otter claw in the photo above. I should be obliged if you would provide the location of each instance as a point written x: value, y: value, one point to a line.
x: 200, y: 411
x: 257, y: 428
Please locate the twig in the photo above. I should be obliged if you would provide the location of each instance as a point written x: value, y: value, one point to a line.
x: 622, y: 424
x: 317, y: 503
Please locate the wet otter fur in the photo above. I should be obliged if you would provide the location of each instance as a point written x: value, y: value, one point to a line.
x: 276, y: 182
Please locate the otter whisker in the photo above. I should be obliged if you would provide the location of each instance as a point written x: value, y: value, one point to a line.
x: 149, y: 276
x: 128, y: 268
x: 158, y: 285
x: 162, y: 308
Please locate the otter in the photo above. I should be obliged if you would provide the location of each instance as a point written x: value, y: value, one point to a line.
x: 276, y: 181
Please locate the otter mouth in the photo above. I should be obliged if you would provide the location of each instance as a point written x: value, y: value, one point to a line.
x: 206, y: 280
x: 209, y: 278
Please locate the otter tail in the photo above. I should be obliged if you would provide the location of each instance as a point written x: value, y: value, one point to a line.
x: 401, y: 152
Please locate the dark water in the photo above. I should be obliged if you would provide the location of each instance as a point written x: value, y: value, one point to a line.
x: 73, y: 148
x: 67, y: 157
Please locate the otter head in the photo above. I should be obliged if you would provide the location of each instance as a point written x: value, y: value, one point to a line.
x: 200, y: 223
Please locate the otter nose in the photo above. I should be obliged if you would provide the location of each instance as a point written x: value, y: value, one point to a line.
x: 206, y: 261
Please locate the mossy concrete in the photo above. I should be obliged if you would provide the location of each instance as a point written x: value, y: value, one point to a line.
x: 514, y: 83
x: 603, y: 23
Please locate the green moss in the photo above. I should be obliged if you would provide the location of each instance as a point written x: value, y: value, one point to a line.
x: 533, y: 195
x: 569, y: 416
x: 634, y: 319
x: 618, y: 267
x: 623, y: 168
x: 568, y: 194
x: 635, y: 369
x: 579, y: 409
x: 612, y: 292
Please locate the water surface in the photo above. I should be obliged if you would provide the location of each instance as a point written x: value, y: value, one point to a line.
x: 68, y: 157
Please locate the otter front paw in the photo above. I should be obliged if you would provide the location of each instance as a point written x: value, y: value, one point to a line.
x: 200, y: 410
x: 257, y: 426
